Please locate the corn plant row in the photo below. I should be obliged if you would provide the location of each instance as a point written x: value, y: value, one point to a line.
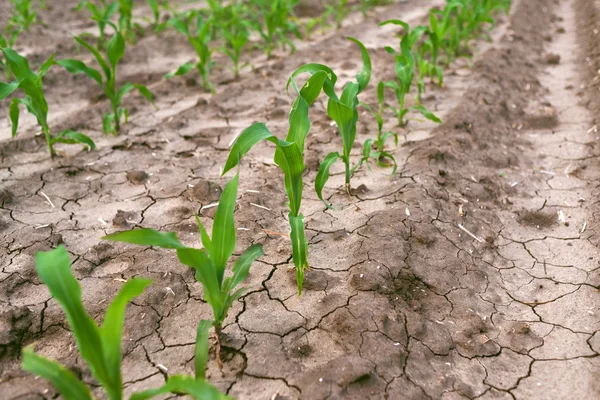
x: 100, y: 345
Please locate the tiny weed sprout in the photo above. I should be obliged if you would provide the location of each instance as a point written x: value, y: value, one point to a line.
x: 196, y: 28
x: 35, y: 102
x: 344, y: 111
x: 115, y: 51
x: 405, y: 72
x: 273, y: 23
x: 289, y: 154
x: 235, y: 33
x: 209, y: 263
x: 101, y: 14
x: 99, y: 346
x: 375, y: 149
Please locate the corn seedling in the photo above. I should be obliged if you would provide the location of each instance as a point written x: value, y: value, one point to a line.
x: 235, y: 33
x: 425, y: 69
x: 289, y: 154
x: 100, y: 346
x: 101, y: 14
x: 273, y: 23
x: 8, y: 41
x: 23, y: 14
x: 344, y: 111
x: 209, y: 263
x: 340, y: 10
x: 196, y: 29
x: 375, y: 149
x: 31, y: 84
x: 405, y: 72
x: 155, y: 7
x: 126, y: 19
x: 111, y: 122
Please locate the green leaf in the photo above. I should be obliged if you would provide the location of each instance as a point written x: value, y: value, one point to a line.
x: 147, y: 237
x: 182, y: 70
x: 241, y: 267
x: 299, y: 248
x: 62, y: 379
x: 247, y: 139
x: 14, y: 116
x: 77, y: 67
x: 97, y: 55
x: 144, y: 92
x: 197, y: 389
x: 46, y: 67
x: 364, y: 76
x: 323, y: 175
x: 19, y: 65
x: 107, y: 123
x: 112, y: 327
x: 116, y: 49
x: 427, y: 114
x: 6, y: 89
x: 201, y: 348
x: 72, y: 137
x: 54, y: 270
x: 223, y: 231
x: 312, y: 69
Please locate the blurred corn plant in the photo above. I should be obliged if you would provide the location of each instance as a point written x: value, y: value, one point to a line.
x: 273, y: 20
x: 111, y: 122
x: 375, y: 149
x: 196, y: 27
x: 344, y: 111
x: 101, y: 14
x: 339, y: 9
x: 235, y: 33
x: 209, y: 263
x: 34, y: 101
x: 100, y: 346
x: 405, y: 72
x: 23, y: 14
x: 289, y: 154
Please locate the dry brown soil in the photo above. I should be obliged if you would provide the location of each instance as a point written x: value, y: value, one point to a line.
x: 400, y: 302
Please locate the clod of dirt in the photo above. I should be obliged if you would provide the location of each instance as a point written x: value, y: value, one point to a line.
x: 191, y: 82
x: 6, y: 197
x: 205, y: 192
x: 542, y: 117
x: 121, y: 220
x: 560, y: 30
x: 15, y: 329
x: 361, y: 189
x: 137, y: 177
x: 537, y: 219
x: 553, y: 59
x: 309, y: 8
x: 348, y: 65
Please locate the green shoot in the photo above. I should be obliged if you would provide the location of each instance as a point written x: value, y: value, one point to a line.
x: 23, y: 14
x: 235, y: 33
x: 31, y: 84
x: 426, y: 68
x: 405, y: 72
x: 340, y: 10
x: 196, y: 29
x: 125, y: 20
x: 155, y: 6
x: 375, y: 149
x: 289, y: 154
x: 210, y: 263
x: 273, y: 24
x: 100, y: 346
x: 344, y: 111
x: 115, y: 51
x: 101, y: 14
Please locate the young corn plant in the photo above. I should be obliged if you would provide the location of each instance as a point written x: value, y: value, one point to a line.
x: 340, y: 10
x: 235, y: 31
x: 344, y: 111
x: 375, y: 149
x: 126, y: 25
x: 155, y: 7
x: 273, y: 23
x: 426, y: 68
x: 23, y: 15
x: 209, y: 263
x: 111, y: 122
x: 8, y: 41
x: 289, y: 154
x: 101, y: 14
x: 440, y: 23
x: 405, y: 72
x: 196, y: 29
x: 100, y: 346
x: 31, y: 84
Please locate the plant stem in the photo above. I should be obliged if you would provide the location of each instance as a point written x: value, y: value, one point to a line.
x: 218, y: 347
x: 46, y: 132
x: 117, y: 118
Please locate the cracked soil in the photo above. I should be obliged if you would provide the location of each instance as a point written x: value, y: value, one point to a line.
x: 400, y: 302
